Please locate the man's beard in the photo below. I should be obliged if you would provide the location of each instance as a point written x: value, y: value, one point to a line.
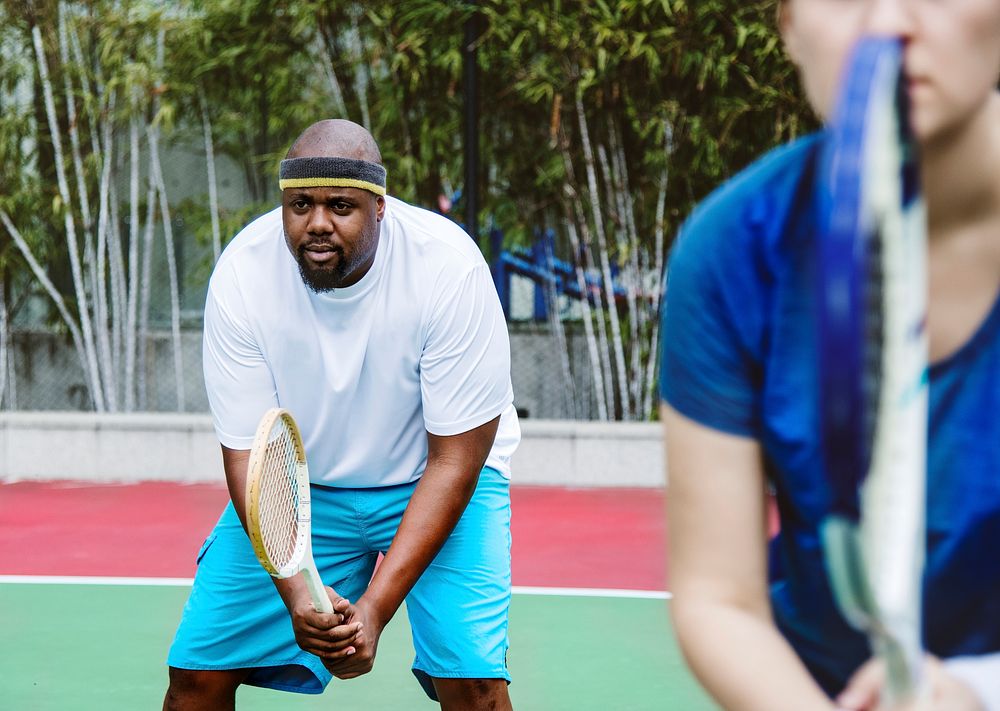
x: 323, y: 278
x: 327, y: 277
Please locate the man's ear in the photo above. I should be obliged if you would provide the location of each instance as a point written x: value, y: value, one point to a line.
x: 379, y: 207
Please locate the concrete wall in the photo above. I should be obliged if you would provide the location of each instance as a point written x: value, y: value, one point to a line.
x: 175, y: 447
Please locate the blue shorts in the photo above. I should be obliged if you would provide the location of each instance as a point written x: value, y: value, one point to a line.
x: 235, y: 619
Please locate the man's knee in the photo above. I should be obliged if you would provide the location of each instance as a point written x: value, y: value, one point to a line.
x: 472, y: 694
x: 192, y: 689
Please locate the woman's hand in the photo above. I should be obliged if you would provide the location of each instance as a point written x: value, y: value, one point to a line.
x: 944, y: 692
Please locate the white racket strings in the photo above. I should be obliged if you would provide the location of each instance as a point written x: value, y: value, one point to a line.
x: 279, y: 497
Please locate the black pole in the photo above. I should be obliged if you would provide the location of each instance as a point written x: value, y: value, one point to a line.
x: 470, y: 100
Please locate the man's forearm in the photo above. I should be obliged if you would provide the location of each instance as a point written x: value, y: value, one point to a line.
x: 435, y: 507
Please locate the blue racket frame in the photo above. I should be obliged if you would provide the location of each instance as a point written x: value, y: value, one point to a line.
x: 848, y: 409
x: 842, y: 253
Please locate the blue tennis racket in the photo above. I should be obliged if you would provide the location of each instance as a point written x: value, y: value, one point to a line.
x: 873, y: 361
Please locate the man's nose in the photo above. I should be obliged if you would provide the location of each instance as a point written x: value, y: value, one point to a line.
x: 320, y: 222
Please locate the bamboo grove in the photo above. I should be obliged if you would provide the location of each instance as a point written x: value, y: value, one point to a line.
x: 601, y: 120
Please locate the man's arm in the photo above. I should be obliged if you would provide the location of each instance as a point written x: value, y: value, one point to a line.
x: 319, y: 633
x: 437, y: 503
x: 718, y: 564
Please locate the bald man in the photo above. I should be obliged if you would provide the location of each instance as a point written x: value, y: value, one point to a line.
x: 377, y: 325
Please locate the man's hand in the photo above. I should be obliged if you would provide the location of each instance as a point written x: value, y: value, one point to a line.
x: 363, y: 617
x: 330, y: 636
x: 944, y: 691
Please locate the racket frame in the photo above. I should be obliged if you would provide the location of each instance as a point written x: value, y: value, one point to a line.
x: 874, y: 591
x: 301, y: 560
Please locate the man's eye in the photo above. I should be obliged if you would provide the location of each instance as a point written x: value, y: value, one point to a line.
x: 300, y: 204
x: 341, y: 206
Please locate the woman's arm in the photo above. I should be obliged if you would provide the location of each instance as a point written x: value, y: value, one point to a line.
x: 717, y: 533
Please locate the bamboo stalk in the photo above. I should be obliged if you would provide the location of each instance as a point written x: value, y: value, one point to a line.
x: 616, y: 333
x: 146, y: 292
x: 118, y: 288
x: 102, y: 318
x: 71, y: 115
x: 175, y: 308
x: 637, y: 316
x: 599, y: 357
x: 597, y: 371
x: 658, y: 251
x: 51, y: 290
x: 88, y: 93
x: 360, y: 71
x: 559, y: 333
x: 153, y: 139
x: 133, y: 261
x: 213, y: 193
x: 4, y: 340
x: 94, y: 379
x: 331, y: 77
x: 612, y: 184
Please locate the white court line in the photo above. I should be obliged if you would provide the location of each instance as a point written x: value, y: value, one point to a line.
x: 186, y: 582
x: 593, y: 592
x: 93, y: 580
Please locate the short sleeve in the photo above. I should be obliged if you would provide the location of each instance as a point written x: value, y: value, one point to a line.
x: 710, y: 332
x: 237, y: 377
x: 465, y: 361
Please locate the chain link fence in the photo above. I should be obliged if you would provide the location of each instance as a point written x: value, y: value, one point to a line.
x: 45, y: 373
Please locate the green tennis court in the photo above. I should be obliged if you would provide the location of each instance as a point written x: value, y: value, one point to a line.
x: 89, y: 614
x: 69, y: 647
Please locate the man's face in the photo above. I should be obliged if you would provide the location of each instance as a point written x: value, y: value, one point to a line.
x: 332, y: 233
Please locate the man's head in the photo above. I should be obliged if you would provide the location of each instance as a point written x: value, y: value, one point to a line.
x: 332, y: 203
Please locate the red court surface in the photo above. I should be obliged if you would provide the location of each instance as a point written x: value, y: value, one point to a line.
x: 583, y: 538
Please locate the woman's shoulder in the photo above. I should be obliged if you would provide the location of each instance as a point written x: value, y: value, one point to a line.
x: 761, y: 197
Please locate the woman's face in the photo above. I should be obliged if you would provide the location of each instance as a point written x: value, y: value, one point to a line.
x: 952, y: 53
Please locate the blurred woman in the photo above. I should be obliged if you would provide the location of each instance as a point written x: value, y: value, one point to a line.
x: 757, y: 621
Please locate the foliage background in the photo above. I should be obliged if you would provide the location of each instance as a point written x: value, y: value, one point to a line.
x: 594, y: 114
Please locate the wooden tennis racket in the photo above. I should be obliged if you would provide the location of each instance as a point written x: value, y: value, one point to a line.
x: 277, y: 504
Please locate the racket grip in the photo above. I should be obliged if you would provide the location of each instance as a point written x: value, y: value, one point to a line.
x: 321, y: 601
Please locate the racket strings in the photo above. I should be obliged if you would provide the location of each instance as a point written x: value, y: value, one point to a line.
x: 874, y: 341
x: 279, y: 497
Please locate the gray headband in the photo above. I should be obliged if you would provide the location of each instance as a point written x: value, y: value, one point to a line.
x: 332, y: 172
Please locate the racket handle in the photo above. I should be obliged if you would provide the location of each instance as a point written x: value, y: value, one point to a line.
x: 321, y: 601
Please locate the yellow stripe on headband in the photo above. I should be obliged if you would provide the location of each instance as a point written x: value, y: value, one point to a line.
x: 330, y: 183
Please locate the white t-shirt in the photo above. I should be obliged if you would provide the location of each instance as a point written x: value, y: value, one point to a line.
x: 418, y: 345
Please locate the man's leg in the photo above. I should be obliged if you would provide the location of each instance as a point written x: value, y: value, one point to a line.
x: 233, y: 620
x: 459, y: 608
x: 472, y: 694
x: 201, y: 690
